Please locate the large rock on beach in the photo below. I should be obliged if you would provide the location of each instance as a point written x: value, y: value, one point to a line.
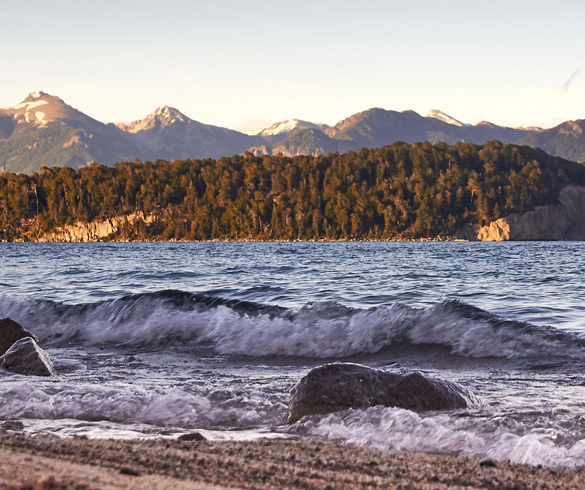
x: 26, y: 357
x: 10, y: 332
x: 338, y: 386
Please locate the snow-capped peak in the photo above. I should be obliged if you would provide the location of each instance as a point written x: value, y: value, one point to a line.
x: 288, y: 126
x: 279, y: 127
x: 446, y: 118
x: 37, y: 95
x: 169, y: 114
x: 162, y: 116
x: 40, y: 108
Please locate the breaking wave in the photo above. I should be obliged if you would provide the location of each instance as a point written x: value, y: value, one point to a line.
x: 317, y: 330
x: 184, y: 407
x: 524, y: 442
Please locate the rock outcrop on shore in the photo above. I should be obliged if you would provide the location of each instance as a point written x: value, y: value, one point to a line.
x: 11, y: 332
x: 565, y: 221
x: 26, y: 357
x: 339, y: 386
x: 20, y: 353
x: 96, y: 231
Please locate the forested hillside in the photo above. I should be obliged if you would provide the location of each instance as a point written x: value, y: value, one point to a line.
x: 396, y: 192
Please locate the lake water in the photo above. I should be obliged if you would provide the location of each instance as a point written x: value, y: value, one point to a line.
x: 160, y: 339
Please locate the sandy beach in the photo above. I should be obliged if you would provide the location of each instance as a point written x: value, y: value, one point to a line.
x: 49, y: 462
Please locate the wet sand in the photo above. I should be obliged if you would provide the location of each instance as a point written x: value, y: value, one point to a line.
x: 48, y: 462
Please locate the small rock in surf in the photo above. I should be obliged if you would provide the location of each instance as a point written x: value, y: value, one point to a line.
x: 26, y: 357
x: 192, y: 436
x: 339, y: 386
x: 10, y: 332
x: 12, y: 425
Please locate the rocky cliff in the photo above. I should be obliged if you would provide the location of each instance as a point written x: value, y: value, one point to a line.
x: 96, y: 231
x: 565, y: 221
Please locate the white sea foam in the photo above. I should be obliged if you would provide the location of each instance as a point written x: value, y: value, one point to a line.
x: 395, y: 428
x: 181, y: 407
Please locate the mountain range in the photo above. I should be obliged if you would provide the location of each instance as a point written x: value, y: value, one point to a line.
x: 43, y: 130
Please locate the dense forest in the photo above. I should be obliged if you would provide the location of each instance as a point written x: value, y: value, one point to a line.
x: 396, y: 192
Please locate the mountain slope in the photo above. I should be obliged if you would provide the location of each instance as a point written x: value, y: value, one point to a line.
x: 44, y: 131
x: 161, y: 117
x: 169, y: 134
x: 379, y: 127
x: 40, y: 109
x: 311, y: 142
x: 566, y: 139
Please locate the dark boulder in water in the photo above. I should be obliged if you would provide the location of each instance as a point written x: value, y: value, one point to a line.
x: 192, y: 436
x: 13, y: 425
x: 10, y: 332
x: 26, y: 357
x: 338, y: 386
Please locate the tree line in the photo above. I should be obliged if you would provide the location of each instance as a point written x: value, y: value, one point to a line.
x: 399, y: 191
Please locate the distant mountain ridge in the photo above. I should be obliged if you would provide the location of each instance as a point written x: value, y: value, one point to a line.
x: 43, y: 130
x: 373, y: 128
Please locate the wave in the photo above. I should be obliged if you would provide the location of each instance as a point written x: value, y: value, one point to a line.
x: 473, y: 437
x: 317, y: 330
x: 183, y: 407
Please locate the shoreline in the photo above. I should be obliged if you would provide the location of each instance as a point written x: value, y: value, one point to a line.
x: 251, y: 240
x: 45, y: 461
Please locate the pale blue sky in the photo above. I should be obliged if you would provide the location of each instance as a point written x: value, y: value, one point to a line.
x: 225, y: 62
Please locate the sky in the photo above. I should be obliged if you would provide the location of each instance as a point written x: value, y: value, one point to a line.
x: 225, y: 62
